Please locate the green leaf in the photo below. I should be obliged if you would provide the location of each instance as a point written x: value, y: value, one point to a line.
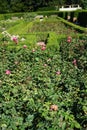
x: 64, y: 126
x: 77, y: 125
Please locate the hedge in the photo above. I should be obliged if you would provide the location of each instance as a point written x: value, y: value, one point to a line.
x: 76, y: 27
x: 80, y: 15
x: 10, y: 15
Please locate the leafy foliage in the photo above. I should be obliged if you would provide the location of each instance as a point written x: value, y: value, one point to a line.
x: 34, y: 5
x: 44, y: 89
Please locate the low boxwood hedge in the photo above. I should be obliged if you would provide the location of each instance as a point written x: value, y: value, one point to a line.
x: 76, y: 27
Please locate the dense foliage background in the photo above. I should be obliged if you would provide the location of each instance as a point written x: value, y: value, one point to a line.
x: 43, y: 75
x: 33, y: 5
x: 43, y: 88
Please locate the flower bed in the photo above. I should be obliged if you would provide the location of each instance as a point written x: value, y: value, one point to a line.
x: 43, y: 88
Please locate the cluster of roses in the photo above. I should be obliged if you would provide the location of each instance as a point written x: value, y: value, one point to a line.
x: 69, y: 40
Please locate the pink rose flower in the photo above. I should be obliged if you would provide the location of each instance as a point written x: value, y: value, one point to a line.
x: 43, y: 48
x: 75, y: 62
x: 45, y: 65
x: 24, y: 46
x: 41, y: 44
x: 15, y: 39
x: 8, y: 72
x: 33, y: 50
x: 58, y: 72
x: 69, y: 39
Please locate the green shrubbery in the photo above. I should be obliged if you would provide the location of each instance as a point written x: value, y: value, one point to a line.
x: 44, y: 88
x: 50, y: 8
x: 74, y: 26
x: 80, y: 16
x: 10, y: 15
x: 75, y: 52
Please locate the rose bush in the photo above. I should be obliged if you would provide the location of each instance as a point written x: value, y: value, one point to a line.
x: 42, y: 90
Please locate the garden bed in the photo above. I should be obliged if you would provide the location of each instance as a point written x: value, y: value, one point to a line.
x: 42, y: 86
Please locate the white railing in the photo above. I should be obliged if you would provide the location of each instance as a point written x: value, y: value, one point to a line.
x: 70, y: 8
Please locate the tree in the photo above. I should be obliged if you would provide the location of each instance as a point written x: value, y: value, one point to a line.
x: 84, y: 3
x: 4, y: 8
x: 33, y: 5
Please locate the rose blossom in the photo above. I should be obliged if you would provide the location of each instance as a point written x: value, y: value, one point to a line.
x: 45, y: 65
x: 15, y: 39
x: 8, y: 72
x: 41, y: 44
x: 69, y: 39
x: 43, y: 48
x: 24, y: 46
x: 54, y: 107
x: 58, y: 72
x: 33, y: 50
x: 75, y: 62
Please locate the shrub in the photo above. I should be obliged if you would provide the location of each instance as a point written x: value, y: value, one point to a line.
x: 50, y: 8
x: 76, y: 27
x: 43, y: 86
x: 44, y: 89
x: 74, y: 69
x: 52, y: 40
